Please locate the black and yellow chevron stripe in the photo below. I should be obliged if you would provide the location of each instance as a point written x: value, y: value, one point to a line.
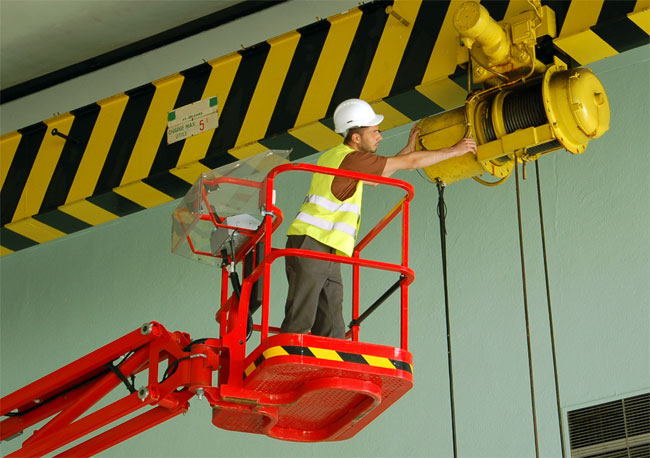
x: 277, y: 94
x: 330, y: 355
x: 594, y: 30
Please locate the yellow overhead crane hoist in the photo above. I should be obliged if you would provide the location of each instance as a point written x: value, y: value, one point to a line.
x: 524, y: 108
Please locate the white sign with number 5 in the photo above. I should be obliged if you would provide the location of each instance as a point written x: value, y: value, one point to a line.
x: 192, y: 119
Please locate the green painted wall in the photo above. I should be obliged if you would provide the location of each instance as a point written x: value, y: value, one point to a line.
x: 63, y: 299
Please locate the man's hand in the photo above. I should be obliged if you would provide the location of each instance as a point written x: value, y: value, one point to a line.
x: 466, y: 145
x: 413, y: 138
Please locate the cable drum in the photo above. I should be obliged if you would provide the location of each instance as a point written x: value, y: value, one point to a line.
x: 488, y: 127
x: 524, y: 108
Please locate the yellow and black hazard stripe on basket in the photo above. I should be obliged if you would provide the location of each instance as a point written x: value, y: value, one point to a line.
x: 328, y: 354
x: 111, y: 158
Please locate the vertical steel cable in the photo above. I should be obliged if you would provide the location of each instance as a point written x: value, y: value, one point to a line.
x: 523, y: 280
x: 442, y: 214
x: 550, y: 312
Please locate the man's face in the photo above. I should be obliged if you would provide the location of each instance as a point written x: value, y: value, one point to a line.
x: 369, y: 138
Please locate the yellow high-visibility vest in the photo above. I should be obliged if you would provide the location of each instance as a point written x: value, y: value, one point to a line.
x: 325, y: 218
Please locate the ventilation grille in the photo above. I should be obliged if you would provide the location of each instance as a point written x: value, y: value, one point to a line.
x: 544, y: 147
x: 616, y: 429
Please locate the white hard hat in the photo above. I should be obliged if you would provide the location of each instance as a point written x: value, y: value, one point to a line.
x: 354, y: 113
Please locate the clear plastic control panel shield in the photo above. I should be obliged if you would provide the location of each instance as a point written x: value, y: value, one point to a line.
x: 223, y: 208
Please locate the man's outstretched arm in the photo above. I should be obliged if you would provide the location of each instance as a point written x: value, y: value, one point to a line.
x: 409, y: 159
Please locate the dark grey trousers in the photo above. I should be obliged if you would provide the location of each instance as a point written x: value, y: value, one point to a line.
x: 315, y: 297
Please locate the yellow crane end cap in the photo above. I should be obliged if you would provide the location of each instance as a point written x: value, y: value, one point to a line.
x: 588, y: 101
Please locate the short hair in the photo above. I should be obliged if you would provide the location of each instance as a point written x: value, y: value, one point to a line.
x: 352, y: 130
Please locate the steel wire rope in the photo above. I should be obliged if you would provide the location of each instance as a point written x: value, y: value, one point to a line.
x: 550, y: 312
x: 525, y: 294
x: 442, y: 214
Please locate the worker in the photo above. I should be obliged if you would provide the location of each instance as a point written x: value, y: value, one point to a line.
x: 329, y: 217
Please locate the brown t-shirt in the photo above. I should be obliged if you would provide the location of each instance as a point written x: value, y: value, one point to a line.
x: 370, y: 163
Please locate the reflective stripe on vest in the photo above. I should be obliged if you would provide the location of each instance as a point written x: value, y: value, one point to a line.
x: 327, y: 225
x: 333, y: 206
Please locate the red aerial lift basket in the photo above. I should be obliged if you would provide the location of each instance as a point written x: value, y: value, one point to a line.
x: 304, y: 387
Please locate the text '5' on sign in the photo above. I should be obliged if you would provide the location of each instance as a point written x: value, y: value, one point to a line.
x: 192, y: 119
